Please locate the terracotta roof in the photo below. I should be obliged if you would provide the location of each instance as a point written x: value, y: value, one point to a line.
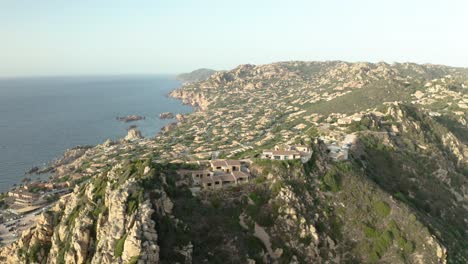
x: 285, y: 152
x: 227, y: 177
x: 201, y: 171
x: 218, y: 163
x: 206, y: 180
x: 233, y: 163
x: 239, y: 174
x: 224, y: 163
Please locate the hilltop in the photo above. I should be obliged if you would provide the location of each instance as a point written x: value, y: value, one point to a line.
x: 196, y: 75
x: 385, y: 181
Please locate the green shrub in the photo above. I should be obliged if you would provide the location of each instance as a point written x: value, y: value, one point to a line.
x: 382, y: 208
x: 276, y: 188
x: 100, y: 184
x: 409, y: 247
x: 133, y: 260
x: 72, y: 216
x: 255, y: 248
x: 33, y: 251
x: 332, y: 181
x: 134, y: 200
x: 119, y: 246
x: 370, y: 232
x: 216, y: 202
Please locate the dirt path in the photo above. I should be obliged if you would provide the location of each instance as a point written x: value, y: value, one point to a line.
x: 261, y: 234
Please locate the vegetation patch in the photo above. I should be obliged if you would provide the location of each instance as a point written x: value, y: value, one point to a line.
x: 331, y: 181
x: 134, y: 200
x: 382, y: 208
x: 119, y: 246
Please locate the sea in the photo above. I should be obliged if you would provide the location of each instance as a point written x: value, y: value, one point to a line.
x: 41, y: 117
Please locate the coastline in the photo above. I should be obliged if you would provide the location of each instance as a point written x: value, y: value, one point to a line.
x: 60, y: 176
x: 46, y: 170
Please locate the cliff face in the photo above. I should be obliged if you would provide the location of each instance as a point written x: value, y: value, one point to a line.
x: 107, y: 220
x: 191, y: 98
x: 332, y: 212
x: 420, y: 162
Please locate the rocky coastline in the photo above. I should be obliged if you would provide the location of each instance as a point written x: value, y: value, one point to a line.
x: 166, y: 115
x: 193, y: 99
x: 73, y: 154
x: 141, y: 238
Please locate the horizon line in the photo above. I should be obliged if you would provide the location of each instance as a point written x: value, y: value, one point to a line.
x: 21, y: 76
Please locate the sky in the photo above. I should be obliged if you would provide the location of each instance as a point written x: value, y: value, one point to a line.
x: 88, y: 37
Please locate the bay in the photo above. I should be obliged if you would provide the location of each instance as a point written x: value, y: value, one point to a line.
x: 42, y: 117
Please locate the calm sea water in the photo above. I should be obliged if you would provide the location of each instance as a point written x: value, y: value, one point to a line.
x: 42, y: 117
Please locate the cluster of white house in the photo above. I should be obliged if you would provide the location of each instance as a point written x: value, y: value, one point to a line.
x: 287, y: 152
x: 221, y: 173
x: 22, y: 197
x: 339, y: 151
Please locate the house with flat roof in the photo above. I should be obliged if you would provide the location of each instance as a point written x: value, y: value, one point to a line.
x: 281, y: 155
x: 301, y: 148
x: 24, y: 198
x: 225, y: 165
x: 199, y: 175
x: 220, y: 173
x: 337, y: 153
x: 286, y: 152
x: 240, y: 176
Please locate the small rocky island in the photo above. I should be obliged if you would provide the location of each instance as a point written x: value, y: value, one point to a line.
x: 130, y: 118
x: 166, y: 115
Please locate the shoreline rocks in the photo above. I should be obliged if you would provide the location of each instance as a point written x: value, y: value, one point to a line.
x: 197, y: 100
x: 166, y: 115
x: 130, y: 118
x: 133, y: 134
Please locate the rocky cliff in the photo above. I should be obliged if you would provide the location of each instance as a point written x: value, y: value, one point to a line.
x: 106, y: 220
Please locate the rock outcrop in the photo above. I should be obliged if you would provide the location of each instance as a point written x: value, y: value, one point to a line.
x: 108, y: 220
x: 133, y: 134
x: 166, y: 115
x: 130, y: 118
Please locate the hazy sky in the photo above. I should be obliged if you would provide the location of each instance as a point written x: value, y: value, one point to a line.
x: 58, y: 37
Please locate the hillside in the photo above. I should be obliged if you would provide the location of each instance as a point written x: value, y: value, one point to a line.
x: 196, y: 75
x: 399, y: 196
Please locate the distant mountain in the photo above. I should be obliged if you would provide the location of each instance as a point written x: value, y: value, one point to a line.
x: 196, y: 75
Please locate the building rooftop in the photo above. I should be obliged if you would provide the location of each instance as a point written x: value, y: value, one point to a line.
x: 285, y: 152
x: 239, y: 174
x: 227, y: 177
x: 233, y: 163
x: 218, y: 163
x: 224, y: 163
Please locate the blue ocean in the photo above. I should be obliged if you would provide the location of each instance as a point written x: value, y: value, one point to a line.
x: 42, y: 117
